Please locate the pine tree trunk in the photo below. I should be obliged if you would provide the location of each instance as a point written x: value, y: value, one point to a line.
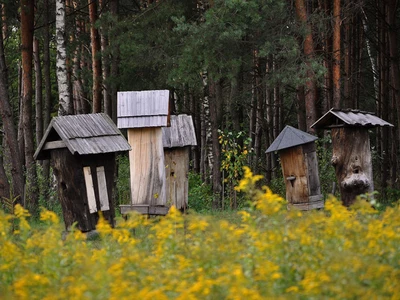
x: 114, y: 72
x: 336, y: 54
x: 310, y: 86
x: 216, y: 103
x: 107, y: 100
x: 27, y: 26
x: 38, y: 92
x: 10, y: 133
x: 47, y: 84
x: 96, y: 60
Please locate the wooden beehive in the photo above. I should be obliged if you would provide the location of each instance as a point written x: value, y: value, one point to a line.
x: 82, y: 151
x: 177, y: 140
x: 298, y: 157
x: 143, y: 114
x: 351, y: 154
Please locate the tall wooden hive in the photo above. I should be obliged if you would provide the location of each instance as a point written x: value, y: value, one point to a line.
x: 299, y: 167
x: 351, y: 154
x: 82, y: 151
x: 143, y: 114
x: 177, y: 140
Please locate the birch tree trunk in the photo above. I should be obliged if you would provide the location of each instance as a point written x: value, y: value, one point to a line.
x: 65, y: 107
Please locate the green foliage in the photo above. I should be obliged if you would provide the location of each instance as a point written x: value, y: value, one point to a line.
x: 235, y: 151
x: 326, y: 171
x: 123, y: 180
x: 200, y: 194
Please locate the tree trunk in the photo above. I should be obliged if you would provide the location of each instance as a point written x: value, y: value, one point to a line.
x: 10, y: 133
x: 310, y: 86
x: 47, y: 85
x: 216, y: 103
x: 65, y: 106
x: 38, y: 92
x: 114, y: 9
x: 107, y: 100
x: 27, y: 27
x: 336, y: 53
x: 96, y: 60
x: 353, y: 164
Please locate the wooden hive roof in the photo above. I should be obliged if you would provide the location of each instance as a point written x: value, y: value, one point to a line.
x: 83, y: 135
x: 143, y: 109
x: 180, y: 134
x: 290, y: 137
x: 349, y: 117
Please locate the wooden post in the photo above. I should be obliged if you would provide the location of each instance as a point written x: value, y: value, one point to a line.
x: 351, y: 158
x: 147, y: 166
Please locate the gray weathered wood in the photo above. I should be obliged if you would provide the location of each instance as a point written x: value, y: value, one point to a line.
x: 54, y: 145
x: 90, y: 190
x: 83, y: 134
x: 103, y: 194
x: 144, y: 209
x: 181, y: 133
x: 351, y: 157
x: 177, y: 170
x: 140, y: 109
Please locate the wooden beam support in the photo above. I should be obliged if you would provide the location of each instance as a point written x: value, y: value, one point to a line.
x: 54, y: 145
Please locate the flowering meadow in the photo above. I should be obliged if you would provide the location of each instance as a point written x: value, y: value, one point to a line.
x: 270, y: 253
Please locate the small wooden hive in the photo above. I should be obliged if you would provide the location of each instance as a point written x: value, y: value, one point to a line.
x: 351, y: 154
x: 143, y: 114
x: 300, y: 168
x: 82, y: 151
x: 177, y: 140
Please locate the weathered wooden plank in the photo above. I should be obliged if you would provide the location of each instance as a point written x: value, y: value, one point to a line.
x: 147, y: 167
x: 139, y: 109
x: 71, y: 190
x: 312, y: 171
x: 177, y: 169
x: 103, y: 194
x: 294, y: 165
x: 90, y: 190
x: 54, y: 145
x: 144, y: 209
x: 181, y: 133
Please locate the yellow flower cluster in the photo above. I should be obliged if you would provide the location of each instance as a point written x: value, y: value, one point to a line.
x: 266, y: 252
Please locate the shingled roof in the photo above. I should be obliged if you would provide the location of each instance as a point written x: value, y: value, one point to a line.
x: 83, y: 135
x: 143, y: 109
x: 290, y: 137
x: 349, y: 117
x: 180, y: 134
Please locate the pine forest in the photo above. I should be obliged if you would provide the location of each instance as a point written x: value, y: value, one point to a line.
x: 243, y: 69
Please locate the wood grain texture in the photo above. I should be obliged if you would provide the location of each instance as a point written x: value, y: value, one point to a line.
x: 147, y: 167
x: 177, y: 170
x: 300, y: 170
x: 351, y: 157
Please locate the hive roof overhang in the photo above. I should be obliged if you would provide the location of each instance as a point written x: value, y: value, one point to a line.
x: 290, y: 137
x: 350, y: 118
x: 83, y: 135
x: 180, y: 134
